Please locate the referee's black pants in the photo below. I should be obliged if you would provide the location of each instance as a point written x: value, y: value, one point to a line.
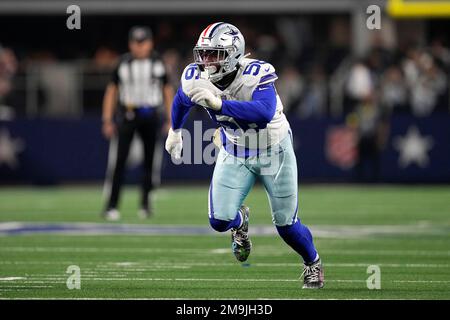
x: 148, y: 128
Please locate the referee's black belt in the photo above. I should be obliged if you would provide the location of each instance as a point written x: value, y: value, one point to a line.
x: 143, y: 111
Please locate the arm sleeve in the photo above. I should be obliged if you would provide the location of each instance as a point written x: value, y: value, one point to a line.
x: 180, y: 109
x: 260, y: 109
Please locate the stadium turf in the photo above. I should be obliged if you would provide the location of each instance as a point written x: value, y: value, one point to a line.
x: 405, y: 230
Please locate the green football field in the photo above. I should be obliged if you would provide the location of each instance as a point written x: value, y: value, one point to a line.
x: 403, y: 230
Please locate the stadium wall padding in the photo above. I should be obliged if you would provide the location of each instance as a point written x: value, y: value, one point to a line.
x: 44, y: 151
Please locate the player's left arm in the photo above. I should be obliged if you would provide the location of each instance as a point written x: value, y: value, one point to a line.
x: 260, y: 109
x: 262, y: 106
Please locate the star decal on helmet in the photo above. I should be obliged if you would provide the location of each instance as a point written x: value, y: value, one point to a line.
x: 232, y: 32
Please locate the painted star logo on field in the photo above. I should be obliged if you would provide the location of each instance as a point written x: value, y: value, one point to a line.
x: 9, y: 149
x: 413, y: 148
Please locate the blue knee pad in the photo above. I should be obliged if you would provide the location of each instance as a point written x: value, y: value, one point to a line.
x: 223, y: 225
x: 300, y: 239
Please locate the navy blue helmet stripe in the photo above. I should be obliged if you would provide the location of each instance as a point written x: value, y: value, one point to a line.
x: 211, y: 33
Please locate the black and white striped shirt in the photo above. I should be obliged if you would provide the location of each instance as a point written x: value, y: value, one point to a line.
x: 140, y: 81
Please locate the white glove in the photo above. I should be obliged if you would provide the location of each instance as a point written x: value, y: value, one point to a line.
x: 174, y: 143
x: 206, y: 98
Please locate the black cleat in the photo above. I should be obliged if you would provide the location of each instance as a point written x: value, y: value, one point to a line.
x: 313, y: 276
x: 240, y: 242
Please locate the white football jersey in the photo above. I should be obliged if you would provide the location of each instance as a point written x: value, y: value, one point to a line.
x: 251, y: 74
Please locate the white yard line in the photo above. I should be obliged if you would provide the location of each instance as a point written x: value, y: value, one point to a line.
x: 265, y: 252
x: 24, y: 287
x: 144, y: 266
x: 206, y: 298
x: 60, y: 280
x: 320, y: 231
x: 12, y: 278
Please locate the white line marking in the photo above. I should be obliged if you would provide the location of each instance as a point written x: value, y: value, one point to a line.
x: 57, y: 280
x: 12, y: 278
x: 207, y: 298
x: 320, y: 231
x: 144, y: 266
x: 220, y: 251
x: 125, y: 264
x: 25, y: 287
x: 266, y: 251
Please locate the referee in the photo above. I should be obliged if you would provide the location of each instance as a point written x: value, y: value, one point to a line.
x: 140, y: 85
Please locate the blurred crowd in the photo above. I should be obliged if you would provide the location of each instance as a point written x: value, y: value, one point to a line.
x: 306, y: 53
x: 8, y: 69
x: 414, y: 81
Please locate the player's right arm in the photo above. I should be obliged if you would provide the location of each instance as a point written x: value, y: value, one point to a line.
x: 181, y: 106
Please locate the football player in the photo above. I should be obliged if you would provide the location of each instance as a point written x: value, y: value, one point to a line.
x: 256, y: 142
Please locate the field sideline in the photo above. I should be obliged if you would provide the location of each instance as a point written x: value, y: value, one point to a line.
x: 404, y: 230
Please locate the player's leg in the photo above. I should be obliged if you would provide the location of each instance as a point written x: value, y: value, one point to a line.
x: 124, y: 135
x: 148, y: 131
x: 230, y: 184
x: 282, y: 190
